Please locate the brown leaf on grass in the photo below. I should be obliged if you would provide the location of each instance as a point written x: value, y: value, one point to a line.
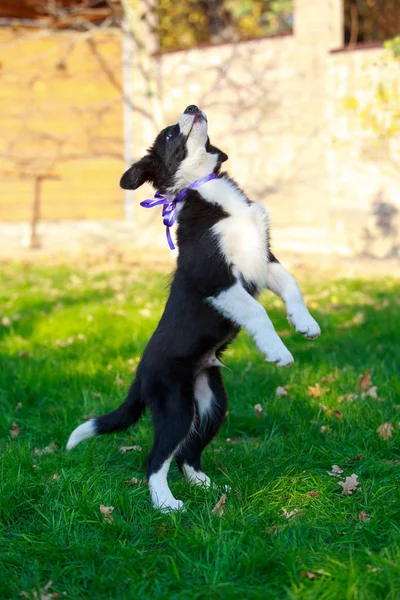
x: 348, y: 398
x: 329, y: 378
x: 220, y: 507
x: 372, y: 392
x: 309, y: 574
x: 393, y: 463
x: 89, y: 416
x: 335, y: 471
x: 55, y: 476
x: 364, y: 381
x: 259, y: 409
x: 14, y: 432
x: 349, y: 485
x: 125, y: 449
x: 64, y: 343
x: 106, y: 511
x: 356, y: 457
x: 358, y: 319
x: 313, y: 494
x: 280, y: 392
x: 162, y: 529
x: 291, y: 514
x: 363, y: 516
x: 331, y: 411
x: 43, y: 594
x: 132, y: 481
x: 18, y: 406
x: 6, y: 322
x: 324, y: 428
x: 47, y: 450
x: 385, y: 431
x: 272, y: 530
x: 316, y: 390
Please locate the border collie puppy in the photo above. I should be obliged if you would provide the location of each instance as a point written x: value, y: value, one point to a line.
x: 224, y: 262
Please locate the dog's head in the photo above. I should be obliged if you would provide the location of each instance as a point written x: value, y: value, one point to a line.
x: 180, y: 155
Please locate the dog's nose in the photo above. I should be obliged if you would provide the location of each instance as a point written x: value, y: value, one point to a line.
x: 191, y: 110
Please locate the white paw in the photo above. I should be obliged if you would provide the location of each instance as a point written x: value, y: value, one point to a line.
x: 279, y: 354
x: 196, y: 477
x: 304, y: 323
x: 171, y: 505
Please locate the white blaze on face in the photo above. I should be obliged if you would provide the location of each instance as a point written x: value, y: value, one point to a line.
x: 198, y: 162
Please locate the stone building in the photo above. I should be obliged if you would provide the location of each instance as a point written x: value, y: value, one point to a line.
x: 283, y: 108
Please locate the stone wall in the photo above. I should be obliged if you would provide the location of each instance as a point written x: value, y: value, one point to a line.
x: 277, y: 106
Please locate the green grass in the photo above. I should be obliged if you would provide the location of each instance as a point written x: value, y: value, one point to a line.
x: 52, y: 529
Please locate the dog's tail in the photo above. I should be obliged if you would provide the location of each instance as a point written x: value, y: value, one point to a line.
x: 127, y: 414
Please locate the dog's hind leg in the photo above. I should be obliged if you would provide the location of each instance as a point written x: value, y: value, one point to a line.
x: 284, y: 285
x: 211, y: 401
x: 172, y: 415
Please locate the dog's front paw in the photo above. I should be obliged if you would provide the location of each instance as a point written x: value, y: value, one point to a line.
x: 304, y: 323
x: 279, y: 354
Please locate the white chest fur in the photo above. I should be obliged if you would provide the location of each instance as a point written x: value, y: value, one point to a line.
x: 243, y: 235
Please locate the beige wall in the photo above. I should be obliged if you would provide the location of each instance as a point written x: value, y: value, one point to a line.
x: 276, y: 106
x: 60, y: 116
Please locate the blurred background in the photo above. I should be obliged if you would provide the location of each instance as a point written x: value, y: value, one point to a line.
x: 303, y: 96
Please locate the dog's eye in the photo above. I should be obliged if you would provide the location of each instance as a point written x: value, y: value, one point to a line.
x: 169, y: 135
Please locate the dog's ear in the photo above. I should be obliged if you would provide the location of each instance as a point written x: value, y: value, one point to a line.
x: 140, y: 172
x: 222, y: 157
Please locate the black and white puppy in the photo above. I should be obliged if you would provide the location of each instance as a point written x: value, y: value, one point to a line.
x: 224, y: 261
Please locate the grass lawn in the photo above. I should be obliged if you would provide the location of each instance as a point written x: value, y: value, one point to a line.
x: 69, y: 343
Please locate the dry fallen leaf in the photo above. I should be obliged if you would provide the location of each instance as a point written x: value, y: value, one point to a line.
x: 363, y: 516
x: 14, y: 432
x: 132, y: 481
x: 106, y: 511
x: 335, y: 470
x: 316, y: 390
x: 372, y: 393
x: 331, y: 411
x: 124, y: 449
x: 292, y: 513
x: 373, y: 569
x: 313, y: 494
x: 18, y: 406
x: 64, y: 343
x: 220, y: 507
x: 47, y: 450
x: 43, y: 594
x: 259, y: 409
x: 349, y: 485
x: 365, y: 381
x: 357, y: 457
x: 309, y: 574
x: 6, y: 322
x: 348, y: 398
x: 385, y: 431
x: 329, y: 378
x: 280, y: 392
x: 324, y: 428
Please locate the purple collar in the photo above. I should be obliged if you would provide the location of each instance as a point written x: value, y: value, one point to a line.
x: 169, y: 206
